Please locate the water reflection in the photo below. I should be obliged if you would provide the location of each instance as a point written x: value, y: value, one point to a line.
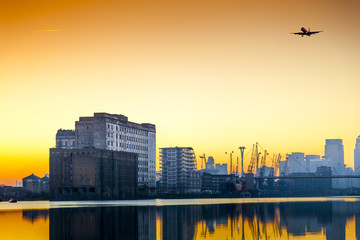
x: 309, y: 220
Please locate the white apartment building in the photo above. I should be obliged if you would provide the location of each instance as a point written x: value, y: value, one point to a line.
x: 114, y: 132
x: 177, y: 165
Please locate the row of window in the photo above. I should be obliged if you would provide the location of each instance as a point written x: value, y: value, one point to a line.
x: 127, y: 145
x: 126, y: 130
x: 128, y: 138
x: 65, y: 143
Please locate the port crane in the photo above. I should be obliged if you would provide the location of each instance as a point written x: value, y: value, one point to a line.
x: 263, y: 163
x: 275, y: 165
x: 254, y: 159
x: 203, y: 160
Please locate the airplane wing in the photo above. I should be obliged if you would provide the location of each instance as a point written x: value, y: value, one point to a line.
x: 314, y: 32
x: 298, y: 33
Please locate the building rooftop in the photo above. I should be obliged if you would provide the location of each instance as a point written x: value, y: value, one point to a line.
x: 118, y: 118
x: 64, y: 132
x: 32, y: 176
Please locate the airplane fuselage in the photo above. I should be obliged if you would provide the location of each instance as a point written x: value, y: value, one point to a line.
x: 306, y: 32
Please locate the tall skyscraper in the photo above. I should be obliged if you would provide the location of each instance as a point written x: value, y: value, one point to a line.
x: 357, y: 156
x: 334, y: 151
x: 177, y: 165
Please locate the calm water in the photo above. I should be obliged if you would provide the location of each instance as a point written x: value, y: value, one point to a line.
x: 280, y: 218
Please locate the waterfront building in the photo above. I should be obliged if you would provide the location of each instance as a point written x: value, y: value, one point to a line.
x: 32, y: 183
x: 45, y: 183
x: 334, y: 152
x: 195, y: 181
x: 211, y: 167
x: 177, y: 165
x: 325, y: 184
x: 315, y: 161
x: 36, y: 184
x: 299, y: 186
x: 221, y: 169
x: 213, y: 183
x: 91, y: 173
x: 293, y: 164
x: 265, y: 170
x: 114, y: 132
x: 296, y: 163
x: 210, y: 164
x: 65, y: 138
x: 311, y: 158
x: 357, y: 156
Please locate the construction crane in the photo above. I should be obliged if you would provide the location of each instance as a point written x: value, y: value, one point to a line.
x: 263, y: 163
x: 231, y: 170
x: 275, y: 165
x: 237, y: 166
x: 203, y: 161
x: 253, y: 159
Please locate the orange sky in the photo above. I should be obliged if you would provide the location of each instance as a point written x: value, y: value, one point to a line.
x: 210, y: 74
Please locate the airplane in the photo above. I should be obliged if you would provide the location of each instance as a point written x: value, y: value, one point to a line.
x: 305, y: 32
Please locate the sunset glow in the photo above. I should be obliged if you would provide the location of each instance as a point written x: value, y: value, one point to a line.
x: 213, y: 75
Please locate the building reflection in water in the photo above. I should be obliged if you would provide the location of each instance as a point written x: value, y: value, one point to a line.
x: 34, y: 215
x: 313, y: 220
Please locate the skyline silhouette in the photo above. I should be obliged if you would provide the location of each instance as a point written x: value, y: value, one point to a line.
x: 211, y: 75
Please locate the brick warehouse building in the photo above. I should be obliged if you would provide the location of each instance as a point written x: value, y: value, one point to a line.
x: 91, y: 173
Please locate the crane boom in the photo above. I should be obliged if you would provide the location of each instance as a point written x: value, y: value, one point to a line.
x: 203, y: 160
x: 252, y: 164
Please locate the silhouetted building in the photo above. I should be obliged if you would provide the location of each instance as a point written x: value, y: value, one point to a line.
x: 93, y: 173
x: 325, y: 184
x: 45, y: 182
x: 334, y: 152
x: 308, y: 183
x: 36, y: 184
x: 210, y: 164
x: 357, y: 156
x: 213, y: 183
x: 195, y: 181
x: 221, y: 169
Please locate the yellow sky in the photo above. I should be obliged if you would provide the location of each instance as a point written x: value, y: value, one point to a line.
x: 210, y: 74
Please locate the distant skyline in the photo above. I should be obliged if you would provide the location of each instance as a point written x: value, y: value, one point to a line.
x: 213, y: 75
